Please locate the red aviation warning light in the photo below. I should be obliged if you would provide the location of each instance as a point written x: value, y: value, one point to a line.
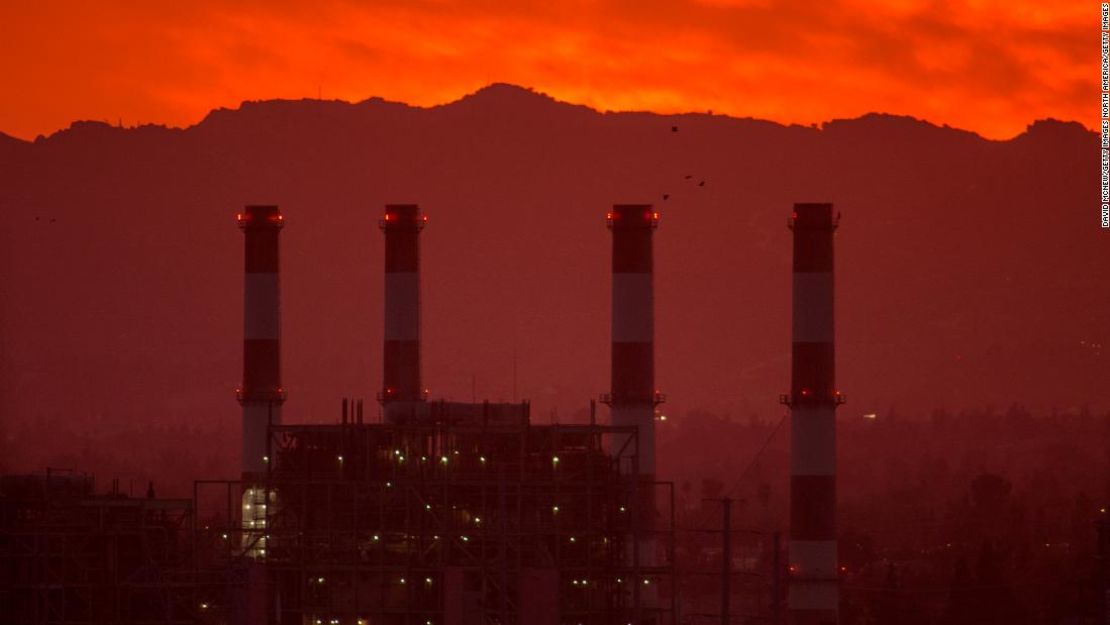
x: 401, y: 217
x: 260, y: 217
x: 632, y: 217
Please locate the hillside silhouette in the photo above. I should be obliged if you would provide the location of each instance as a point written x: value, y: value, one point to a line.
x: 970, y: 272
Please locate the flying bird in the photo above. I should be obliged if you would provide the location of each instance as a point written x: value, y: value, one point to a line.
x: 674, y: 128
x: 701, y: 184
x: 666, y: 195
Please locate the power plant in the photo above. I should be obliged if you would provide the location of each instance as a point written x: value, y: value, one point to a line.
x: 442, y: 512
x: 449, y: 512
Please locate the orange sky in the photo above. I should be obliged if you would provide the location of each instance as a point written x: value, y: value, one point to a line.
x: 989, y: 65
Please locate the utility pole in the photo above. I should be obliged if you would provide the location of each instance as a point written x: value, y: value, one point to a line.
x: 776, y: 576
x: 726, y: 559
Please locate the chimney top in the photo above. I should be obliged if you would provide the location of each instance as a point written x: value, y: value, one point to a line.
x: 403, y: 217
x: 813, y: 216
x: 632, y: 217
x: 259, y: 216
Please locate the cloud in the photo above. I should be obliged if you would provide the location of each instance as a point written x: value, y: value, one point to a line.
x: 988, y: 66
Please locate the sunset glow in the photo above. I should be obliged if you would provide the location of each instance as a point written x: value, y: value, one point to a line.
x: 987, y: 65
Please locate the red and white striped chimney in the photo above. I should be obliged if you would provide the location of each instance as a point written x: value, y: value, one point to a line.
x: 402, y: 393
x: 632, y: 398
x: 261, y: 393
x: 814, y: 592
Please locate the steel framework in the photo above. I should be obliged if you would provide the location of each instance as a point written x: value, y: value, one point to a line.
x: 479, y: 518
x: 68, y: 556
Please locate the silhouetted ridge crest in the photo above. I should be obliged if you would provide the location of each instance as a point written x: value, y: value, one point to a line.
x: 895, y: 127
x: 498, y: 97
x: 1055, y: 134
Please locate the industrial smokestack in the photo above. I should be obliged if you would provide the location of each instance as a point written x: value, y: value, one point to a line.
x: 814, y: 595
x: 402, y: 392
x: 261, y: 393
x: 632, y: 397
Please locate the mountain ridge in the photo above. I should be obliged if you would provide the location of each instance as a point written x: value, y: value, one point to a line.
x: 506, y: 94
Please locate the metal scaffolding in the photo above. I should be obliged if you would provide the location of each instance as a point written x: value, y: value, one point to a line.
x: 470, y: 515
x: 68, y: 556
